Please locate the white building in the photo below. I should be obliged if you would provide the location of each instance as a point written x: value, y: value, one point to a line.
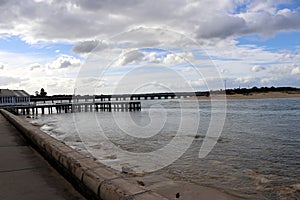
x: 14, y: 97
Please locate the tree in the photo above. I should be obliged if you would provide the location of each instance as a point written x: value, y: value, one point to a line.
x: 43, y: 93
x: 37, y: 93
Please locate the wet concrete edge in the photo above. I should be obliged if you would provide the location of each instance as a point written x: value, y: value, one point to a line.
x: 92, y: 179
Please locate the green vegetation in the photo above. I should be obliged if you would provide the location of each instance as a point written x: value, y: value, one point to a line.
x: 247, y: 91
x: 43, y: 93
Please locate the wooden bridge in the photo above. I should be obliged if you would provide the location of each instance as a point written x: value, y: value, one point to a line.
x: 75, y: 107
x: 114, y: 102
x: 117, y: 97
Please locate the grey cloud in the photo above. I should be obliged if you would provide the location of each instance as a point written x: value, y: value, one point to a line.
x: 6, y: 80
x: 64, y: 61
x: 262, y: 23
x: 257, y: 68
x: 106, y: 4
x: 65, y: 64
x: 221, y: 27
x: 34, y: 66
x: 267, y: 23
x: 88, y: 46
x: 130, y: 57
x: 79, y: 20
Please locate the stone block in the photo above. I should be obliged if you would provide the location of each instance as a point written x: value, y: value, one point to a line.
x: 147, y: 196
x: 118, y: 189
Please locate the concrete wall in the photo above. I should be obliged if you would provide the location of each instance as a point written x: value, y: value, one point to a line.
x: 93, y: 179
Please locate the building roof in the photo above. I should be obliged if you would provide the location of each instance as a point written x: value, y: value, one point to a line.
x: 20, y: 93
x: 15, y: 93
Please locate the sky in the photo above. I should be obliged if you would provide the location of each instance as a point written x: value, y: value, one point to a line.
x: 137, y: 46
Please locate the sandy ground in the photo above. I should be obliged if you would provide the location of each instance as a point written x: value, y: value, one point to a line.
x: 255, y: 96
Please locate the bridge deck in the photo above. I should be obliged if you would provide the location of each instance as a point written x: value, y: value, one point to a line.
x: 75, y: 107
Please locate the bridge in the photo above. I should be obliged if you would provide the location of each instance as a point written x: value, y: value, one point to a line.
x: 113, y: 102
x: 118, y: 97
x: 75, y: 107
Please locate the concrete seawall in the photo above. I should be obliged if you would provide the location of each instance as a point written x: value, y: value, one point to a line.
x: 93, y: 179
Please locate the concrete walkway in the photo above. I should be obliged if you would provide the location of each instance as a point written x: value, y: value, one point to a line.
x: 24, y: 174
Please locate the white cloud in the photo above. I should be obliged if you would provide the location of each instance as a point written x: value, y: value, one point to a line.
x: 285, y: 70
x: 64, y: 61
x: 257, y: 68
x: 86, y: 20
x: 224, y: 71
x: 286, y: 57
x: 197, y: 83
x: 89, y: 24
x: 295, y: 71
x: 244, y: 80
x: 175, y: 58
x: 268, y: 80
x: 169, y: 58
x: 6, y: 80
x: 34, y: 66
x: 133, y: 56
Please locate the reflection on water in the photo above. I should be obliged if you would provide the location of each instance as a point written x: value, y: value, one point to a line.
x: 257, y: 155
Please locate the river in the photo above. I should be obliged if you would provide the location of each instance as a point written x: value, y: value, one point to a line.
x: 256, y: 156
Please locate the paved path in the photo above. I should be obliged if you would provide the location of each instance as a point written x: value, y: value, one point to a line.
x: 24, y: 174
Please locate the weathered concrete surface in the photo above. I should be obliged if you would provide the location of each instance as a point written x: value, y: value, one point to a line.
x: 93, y: 179
x: 24, y: 174
x: 182, y: 189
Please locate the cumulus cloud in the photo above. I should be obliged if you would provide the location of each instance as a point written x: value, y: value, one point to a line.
x: 64, y: 61
x: 268, y: 80
x: 88, y: 46
x: 34, y: 66
x: 244, y: 80
x: 133, y: 56
x: 6, y: 80
x: 224, y: 71
x: 257, y: 68
x: 169, y: 58
x: 295, y: 71
x: 87, y: 23
x: 286, y: 57
x: 292, y: 69
x: 85, y: 20
x: 221, y: 26
x: 174, y: 58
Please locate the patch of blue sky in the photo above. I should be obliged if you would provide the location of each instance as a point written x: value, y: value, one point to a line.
x: 224, y: 59
x: 291, y: 4
x: 14, y: 44
x: 201, y: 54
x: 159, y: 53
x: 117, y: 71
x: 149, y: 50
x: 270, y: 63
x: 281, y: 41
x: 240, y: 8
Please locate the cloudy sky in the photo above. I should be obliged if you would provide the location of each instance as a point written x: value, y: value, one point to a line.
x: 106, y: 46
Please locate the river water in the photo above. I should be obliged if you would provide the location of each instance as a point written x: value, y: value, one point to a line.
x: 257, y: 155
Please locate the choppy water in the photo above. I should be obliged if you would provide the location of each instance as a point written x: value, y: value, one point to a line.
x: 257, y: 155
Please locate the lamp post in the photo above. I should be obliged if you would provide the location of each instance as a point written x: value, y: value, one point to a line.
x: 74, y: 93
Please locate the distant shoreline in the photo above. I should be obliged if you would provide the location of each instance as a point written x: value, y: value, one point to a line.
x: 256, y: 95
